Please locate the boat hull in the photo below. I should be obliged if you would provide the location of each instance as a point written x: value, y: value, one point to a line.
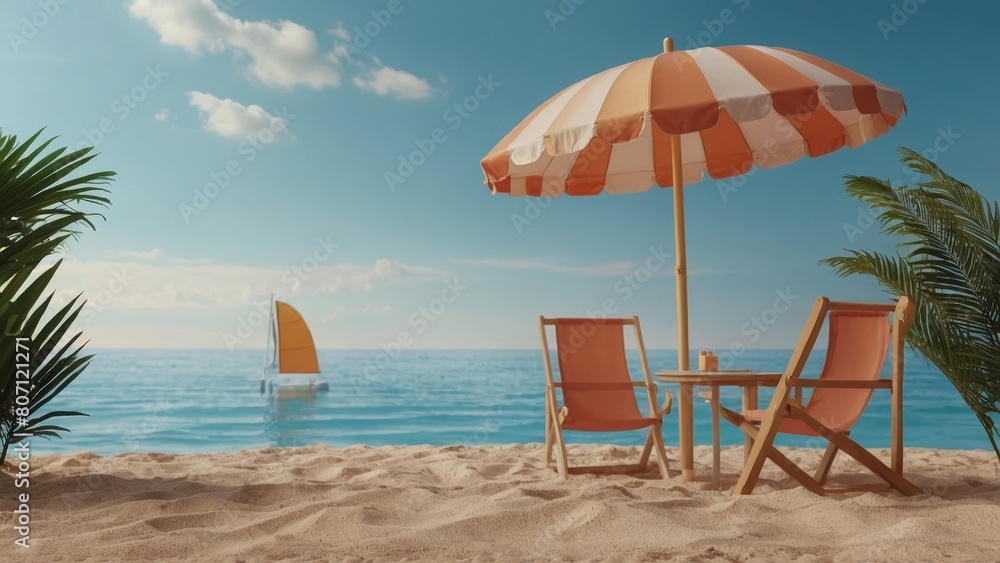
x: 304, y: 389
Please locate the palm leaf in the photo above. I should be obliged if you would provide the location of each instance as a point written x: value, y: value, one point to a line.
x: 949, y: 263
x: 40, y: 193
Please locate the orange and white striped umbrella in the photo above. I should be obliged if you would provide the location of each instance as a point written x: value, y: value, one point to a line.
x: 733, y: 107
x: 678, y: 116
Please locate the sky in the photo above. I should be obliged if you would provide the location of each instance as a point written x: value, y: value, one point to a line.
x: 269, y: 147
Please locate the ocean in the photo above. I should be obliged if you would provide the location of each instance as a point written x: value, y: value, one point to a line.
x: 185, y: 401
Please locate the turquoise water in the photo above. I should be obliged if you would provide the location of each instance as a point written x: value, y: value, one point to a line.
x: 182, y: 401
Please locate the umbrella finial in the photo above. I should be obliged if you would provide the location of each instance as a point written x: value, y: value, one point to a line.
x: 668, y: 44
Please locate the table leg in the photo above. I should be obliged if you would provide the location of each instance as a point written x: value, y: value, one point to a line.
x: 685, y: 423
x: 715, y: 435
x: 749, y: 404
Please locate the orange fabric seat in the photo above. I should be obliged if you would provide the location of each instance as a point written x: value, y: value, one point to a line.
x: 790, y: 424
x: 859, y: 339
x: 608, y: 425
x: 598, y: 394
x: 857, y: 345
x: 602, y: 407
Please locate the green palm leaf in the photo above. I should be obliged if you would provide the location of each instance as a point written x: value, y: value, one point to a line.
x: 949, y: 262
x: 41, y: 191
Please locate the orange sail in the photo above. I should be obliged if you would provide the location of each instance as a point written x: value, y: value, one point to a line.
x: 296, y: 350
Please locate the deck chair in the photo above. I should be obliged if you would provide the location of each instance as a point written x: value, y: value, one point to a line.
x: 597, y: 392
x: 859, y: 339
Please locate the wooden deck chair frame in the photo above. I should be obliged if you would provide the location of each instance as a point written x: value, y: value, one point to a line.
x: 783, y: 402
x: 555, y: 416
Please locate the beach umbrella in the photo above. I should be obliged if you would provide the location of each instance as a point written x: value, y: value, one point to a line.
x: 676, y: 117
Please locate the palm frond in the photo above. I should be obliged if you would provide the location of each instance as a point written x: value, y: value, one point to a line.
x: 41, y: 191
x: 950, y: 265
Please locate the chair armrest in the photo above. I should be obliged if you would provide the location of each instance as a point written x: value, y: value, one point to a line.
x: 668, y: 403
x: 558, y: 384
x: 845, y: 383
x: 793, y: 404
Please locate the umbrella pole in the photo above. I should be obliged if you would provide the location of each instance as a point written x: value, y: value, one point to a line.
x: 685, y: 399
x: 680, y: 244
x: 685, y: 416
x: 681, y: 249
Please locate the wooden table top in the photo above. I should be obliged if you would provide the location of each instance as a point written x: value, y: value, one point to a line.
x: 719, y: 377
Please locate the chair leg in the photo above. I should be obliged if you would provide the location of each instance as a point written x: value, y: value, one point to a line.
x: 823, y: 470
x: 746, y: 484
x: 789, y: 467
x: 763, y: 448
x: 549, y: 439
x: 647, y: 448
x: 863, y: 456
x: 656, y: 433
x: 875, y: 465
x: 737, y: 420
x: 562, y: 464
x: 838, y: 442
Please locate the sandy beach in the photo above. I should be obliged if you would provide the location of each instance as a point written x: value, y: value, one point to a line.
x: 489, y: 503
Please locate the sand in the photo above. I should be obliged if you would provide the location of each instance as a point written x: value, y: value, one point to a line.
x: 489, y: 503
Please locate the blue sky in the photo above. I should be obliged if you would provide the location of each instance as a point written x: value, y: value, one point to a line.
x: 298, y: 110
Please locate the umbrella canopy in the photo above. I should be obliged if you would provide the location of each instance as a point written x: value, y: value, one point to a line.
x: 673, y: 118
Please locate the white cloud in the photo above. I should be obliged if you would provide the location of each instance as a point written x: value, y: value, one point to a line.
x: 235, y: 120
x: 162, y: 115
x: 357, y: 277
x: 659, y: 264
x: 385, y: 80
x: 280, y: 53
x: 141, y: 280
x: 340, y: 32
x: 154, y: 254
x: 605, y: 269
x: 343, y: 311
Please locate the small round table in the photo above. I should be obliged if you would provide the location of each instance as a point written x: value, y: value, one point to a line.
x: 686, y: 380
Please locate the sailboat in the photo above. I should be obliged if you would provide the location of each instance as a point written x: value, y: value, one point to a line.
x: 291, y: 368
